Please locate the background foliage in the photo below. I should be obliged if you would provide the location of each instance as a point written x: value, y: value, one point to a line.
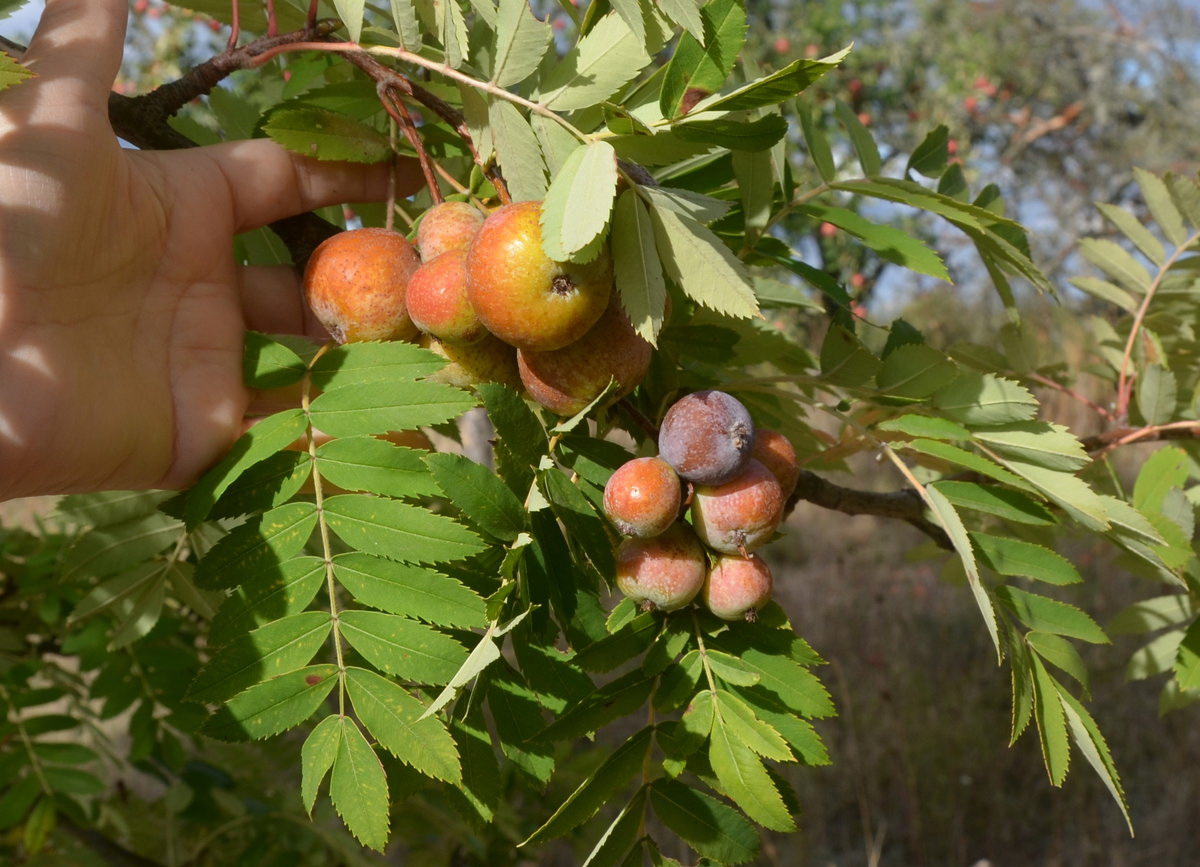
x: 1010, y: 439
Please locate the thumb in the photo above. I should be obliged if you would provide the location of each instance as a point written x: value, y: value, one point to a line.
x: 76, y: 51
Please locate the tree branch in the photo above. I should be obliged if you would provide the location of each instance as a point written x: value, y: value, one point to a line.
x: 905, y: 505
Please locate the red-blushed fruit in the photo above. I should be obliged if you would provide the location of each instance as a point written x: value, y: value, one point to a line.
x: 355, y: 284
x: 737, y: 587
x: 665, y: 571
x: 566, y: 380
x: 774, y: 451
x: 447, y: 226
x: 486, y: 360
x: 740, y: 515
x: 438, y: 303
x: 643, y: 496
x: 524, y: 297
x: 707, y: 437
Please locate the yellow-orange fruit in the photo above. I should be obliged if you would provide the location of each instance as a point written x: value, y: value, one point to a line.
x: 447, y: 226
x: 486, y: 360
x: 566, y: 380
x: 643, y: 496
x: 521, y: 295
x: 664, y: 572
x: 737, y: 587
x: 774, y: 451
x: 437, y: 299
x: 355, y: 284
x: 738, y: 516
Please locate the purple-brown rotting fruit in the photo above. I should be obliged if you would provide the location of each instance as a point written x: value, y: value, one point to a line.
x: 739, y: 515
x: 643, y: 497
x: 664, y: 572
x: 737, y: 587
x: 707, y: 437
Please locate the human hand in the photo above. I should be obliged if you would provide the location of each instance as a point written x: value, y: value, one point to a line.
x: 122, y: 310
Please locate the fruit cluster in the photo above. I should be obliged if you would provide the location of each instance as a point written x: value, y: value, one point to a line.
x: 482, y: 292
x: 732, y: 480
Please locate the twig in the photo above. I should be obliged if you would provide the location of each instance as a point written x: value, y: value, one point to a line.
x: 905, y: 504
x: 1177, y: 430
x: 400, y: 114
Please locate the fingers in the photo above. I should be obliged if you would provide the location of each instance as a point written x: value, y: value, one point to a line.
x: 268, y: 183
x: 273, y: 302
x: 77, y: 48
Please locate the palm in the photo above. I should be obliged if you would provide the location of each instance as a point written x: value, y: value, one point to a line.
x: 120, y: 300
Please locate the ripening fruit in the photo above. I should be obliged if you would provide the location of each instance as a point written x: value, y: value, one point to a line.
x: 486, y: 360
x: 447, y: 226
x: 774, y: 451
x: 707, y: 437
x: 642, y: 498
x: 566, y: 380
x: 524, y: 297
x: 740, y: 515
x: 737, y: 587
x: 355, y: 284
x: 437, y: 299
x: 664, y: 572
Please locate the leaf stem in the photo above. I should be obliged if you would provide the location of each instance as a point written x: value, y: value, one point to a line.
x: 326, y: 546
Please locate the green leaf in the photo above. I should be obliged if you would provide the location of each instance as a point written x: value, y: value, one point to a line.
x: 627, y: 642
x: 402, y: 647
x: 1133, y: 229
x: 108, y: 550
x: 614, y: 845
x: 1051, y: 723
x: 413, y: 591
x: 1163, y: 472
x: 797, y: 688
x: 1046, y: 445
x: 380, y: 407
x: 358, y: 787
x: 268, y: 363
x: 1049, y: 615
x: 482, y: 655
x: 517, y: 716
x: 317, y: 756
x: 744, y: 727
x: 365, y: 463
x: 278, y: 592
x: 18, y: 798
x: 861, y: 138
x: 355, y: 364
x: 949, y: 520
x: 931, y: 155
x: 1117, y: 263
x: 107, y: 508
x: 518, y: 152
x: 521, y: 42
x: 257, y: 547
x: 322, y: 134
x: 636, y: 266
x: 702, y: 266
x: 737, y: 135
x: 1059, y: 652
x: 273, y: 706
x: 262, y: 440
x: 1156, y: 393
x: 269, y: 483
x: 817, y: 143
x: 1150, y: 615
x: 697, y: 70
x: 452, y: 31
x: 776, y: 87
x: 39, y: 824
x: 730, y: 669
x: 479, y: 494
x: 966, y: 459
x: 351, y: 13
x: 889, y: 242
x: 11, y: 72
x: 915, y: 371
x: 119, y: 590
x: 709, y: 826
x: 1162, y: 208
x: 686, y: 203
x: 606, y: 59
x: 394, y: 718
x: 601, y: 787
x: 270, y: 650
x: 398, y: 530
x: 685, y: 14
x: 580, y: 201
x: 408, y: 29
x: 1014, y: 557
x: 994, y: 500
x: 72, y: 781
x: 1091, y: 743
x: 1187, y: 662
x: 65, y: 754
x: 984, y: 399
x: 755, y: 178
